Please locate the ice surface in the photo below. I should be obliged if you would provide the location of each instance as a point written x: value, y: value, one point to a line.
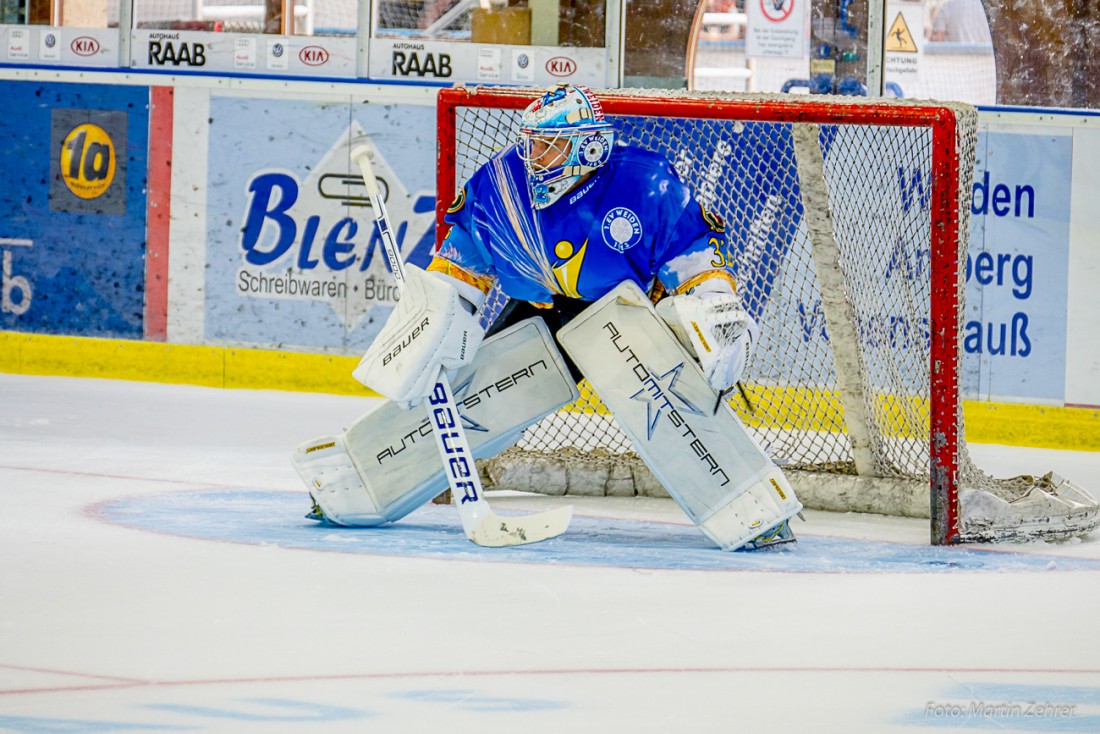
x: 156, y: 574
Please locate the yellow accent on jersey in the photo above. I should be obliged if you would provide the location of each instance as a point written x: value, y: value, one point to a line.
x: 695, y: 280
x: 441, y: 265
x: 569, y: 272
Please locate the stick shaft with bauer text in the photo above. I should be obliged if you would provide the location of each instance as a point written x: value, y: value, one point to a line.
x: 479, y: 522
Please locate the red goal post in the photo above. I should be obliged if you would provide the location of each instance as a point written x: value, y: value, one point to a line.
x: 849, y: 220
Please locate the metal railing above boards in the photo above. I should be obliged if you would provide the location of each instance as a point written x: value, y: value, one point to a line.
x: 513, y: 42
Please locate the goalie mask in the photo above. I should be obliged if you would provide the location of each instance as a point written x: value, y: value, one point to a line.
x: 562, y: 136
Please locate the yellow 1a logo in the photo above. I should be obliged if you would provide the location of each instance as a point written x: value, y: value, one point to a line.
x: 88, y: 161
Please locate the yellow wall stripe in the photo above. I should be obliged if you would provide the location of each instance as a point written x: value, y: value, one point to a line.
x: 210, y: 366
x: 1039, y: 426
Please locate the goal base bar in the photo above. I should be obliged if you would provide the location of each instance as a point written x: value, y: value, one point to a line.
x: 1044, y: 508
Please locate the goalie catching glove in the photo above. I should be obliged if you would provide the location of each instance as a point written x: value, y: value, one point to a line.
x: 433, y: 327
x: 711, y: 323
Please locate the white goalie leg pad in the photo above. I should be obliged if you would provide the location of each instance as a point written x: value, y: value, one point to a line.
x: 327, y: 469
x: 691, y: 440
x: 432, y: 327
x: 387, y: 464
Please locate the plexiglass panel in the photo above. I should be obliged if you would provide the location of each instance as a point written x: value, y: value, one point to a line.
x: 62, y: 13
x: 986, y: 52
x: 297, y: 17
x: 567, y: 23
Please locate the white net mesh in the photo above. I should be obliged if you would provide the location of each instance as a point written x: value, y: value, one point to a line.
x: 840, y: 383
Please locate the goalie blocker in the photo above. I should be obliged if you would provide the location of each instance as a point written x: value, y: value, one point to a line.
x: 386, y: 465
x: 691, y: 440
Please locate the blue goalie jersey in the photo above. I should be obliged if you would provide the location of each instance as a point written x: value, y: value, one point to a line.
x: 633, y: 220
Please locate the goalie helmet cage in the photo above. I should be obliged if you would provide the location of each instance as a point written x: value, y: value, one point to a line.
x: 848, y: 223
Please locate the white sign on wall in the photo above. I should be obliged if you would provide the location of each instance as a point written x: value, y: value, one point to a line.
x: 903, y: 43
x: 69, y: 46
x: 421, y: 60
x: 775, y: 28
x: 175, y: 51
x: 19, y: 44
x: 49, y: 45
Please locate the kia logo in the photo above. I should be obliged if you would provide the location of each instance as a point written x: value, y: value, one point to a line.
x: 561, y: 66
x: 313, y: 55
x: 84, y: 46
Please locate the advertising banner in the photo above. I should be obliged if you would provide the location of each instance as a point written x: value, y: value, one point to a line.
x: 293, y: 255
x: 419, y: 60
x: 1014, y: 327
x: 61, y: 46
x: 1083, y: 306
x: 73, y: 236
x: 182, y: 50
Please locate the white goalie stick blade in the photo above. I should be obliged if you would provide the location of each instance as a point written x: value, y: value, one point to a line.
x: 495, y: 531
x: 479, y: 522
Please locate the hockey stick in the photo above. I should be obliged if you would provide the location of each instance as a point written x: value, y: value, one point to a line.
x: 479, y: 522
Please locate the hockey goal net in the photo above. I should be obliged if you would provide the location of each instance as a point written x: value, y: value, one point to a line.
x: 848, y: 224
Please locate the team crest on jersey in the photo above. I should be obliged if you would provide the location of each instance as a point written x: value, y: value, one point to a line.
x: 459, y: 202
x: 622, y: 229
x: 713, y: 219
